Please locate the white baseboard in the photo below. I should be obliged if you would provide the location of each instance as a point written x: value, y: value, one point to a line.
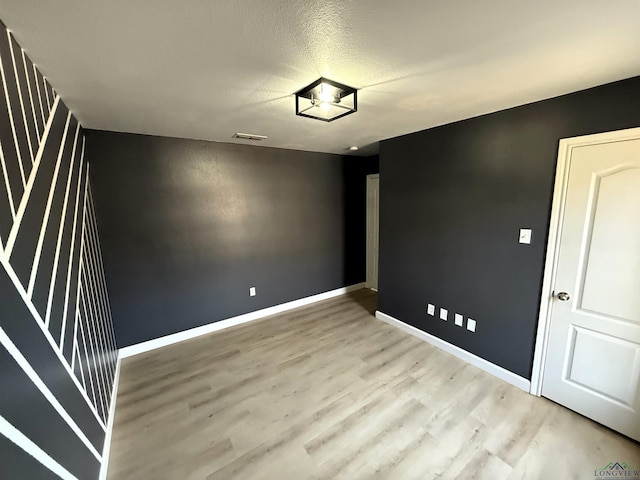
x: 231, y: 322
x: 502, y: 373
x: 106, y: 449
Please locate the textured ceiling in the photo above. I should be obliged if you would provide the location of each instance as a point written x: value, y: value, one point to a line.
x: 206, y: 69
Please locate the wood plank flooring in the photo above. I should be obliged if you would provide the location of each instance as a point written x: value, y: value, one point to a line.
x: 330, y: 392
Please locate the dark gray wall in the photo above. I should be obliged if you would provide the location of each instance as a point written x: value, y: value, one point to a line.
x: 54, y: 312
x: 188, y: 226
x: 452, y: 201
x: 356, y: 170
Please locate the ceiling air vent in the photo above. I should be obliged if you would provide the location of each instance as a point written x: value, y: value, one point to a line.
x: 250, y: 136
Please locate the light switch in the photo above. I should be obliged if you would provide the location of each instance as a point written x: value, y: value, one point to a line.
x: 444, y: 314
x: 252, y: 291
x: 458, y: 319
x: 431, y: 309
x: 471, y: 325
x: 525, y: 235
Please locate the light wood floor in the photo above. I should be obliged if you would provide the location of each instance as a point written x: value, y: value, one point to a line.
x: 328, y: 392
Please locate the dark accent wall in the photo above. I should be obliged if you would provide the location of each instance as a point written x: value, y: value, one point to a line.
x: 57, y: 348
x: 189, y: 226
x: 453, y: 199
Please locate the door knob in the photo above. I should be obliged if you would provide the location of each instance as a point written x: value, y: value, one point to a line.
x: 563, y: 296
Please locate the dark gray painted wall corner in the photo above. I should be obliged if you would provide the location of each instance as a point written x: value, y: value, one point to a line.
x: 188, y: 226
x: 452, y: 201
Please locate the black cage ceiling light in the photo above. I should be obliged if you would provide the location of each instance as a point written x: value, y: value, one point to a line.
x: 326, y: 100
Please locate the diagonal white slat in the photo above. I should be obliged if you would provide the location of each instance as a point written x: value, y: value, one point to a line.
x: 29, y: 186
x: 35, y: 378
x: 90, y: 334
x: 23, y: 107
x: 76, y: 329
x: 77, y: 213
x: 47, y: 211
x: 46, y: 93
x: 32, y: 95
x: 19, y: 153
x: 7, y: 183
x: 82, y: 337
x: 41, y: 107
x: 76, y: 355
x: 56, y: 259
x: 22, y: 441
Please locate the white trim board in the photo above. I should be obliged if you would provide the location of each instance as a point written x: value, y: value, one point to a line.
x: 503, y: 374
x: 106, y: 449
x: 565, y: 147
x: 143, y: 347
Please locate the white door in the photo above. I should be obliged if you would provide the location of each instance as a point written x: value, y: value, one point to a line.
x: 373, y: 198
x: 592, y: 360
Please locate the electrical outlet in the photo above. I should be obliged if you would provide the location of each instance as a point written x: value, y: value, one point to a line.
x: 431, y: 309
x: 252, y: 291
x: 471, y: 325
x: 458, y: 319
x: 444, y: 314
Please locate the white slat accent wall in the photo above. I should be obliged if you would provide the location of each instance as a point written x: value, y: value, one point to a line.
x: 57, y: 345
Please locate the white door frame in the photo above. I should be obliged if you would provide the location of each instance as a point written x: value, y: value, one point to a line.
x: 551, y: 263
x: 368, y: 212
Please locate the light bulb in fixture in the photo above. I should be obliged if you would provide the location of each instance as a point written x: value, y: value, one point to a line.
x: 325, y: 106
x: 326, y: 97
x: 324, y: 94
